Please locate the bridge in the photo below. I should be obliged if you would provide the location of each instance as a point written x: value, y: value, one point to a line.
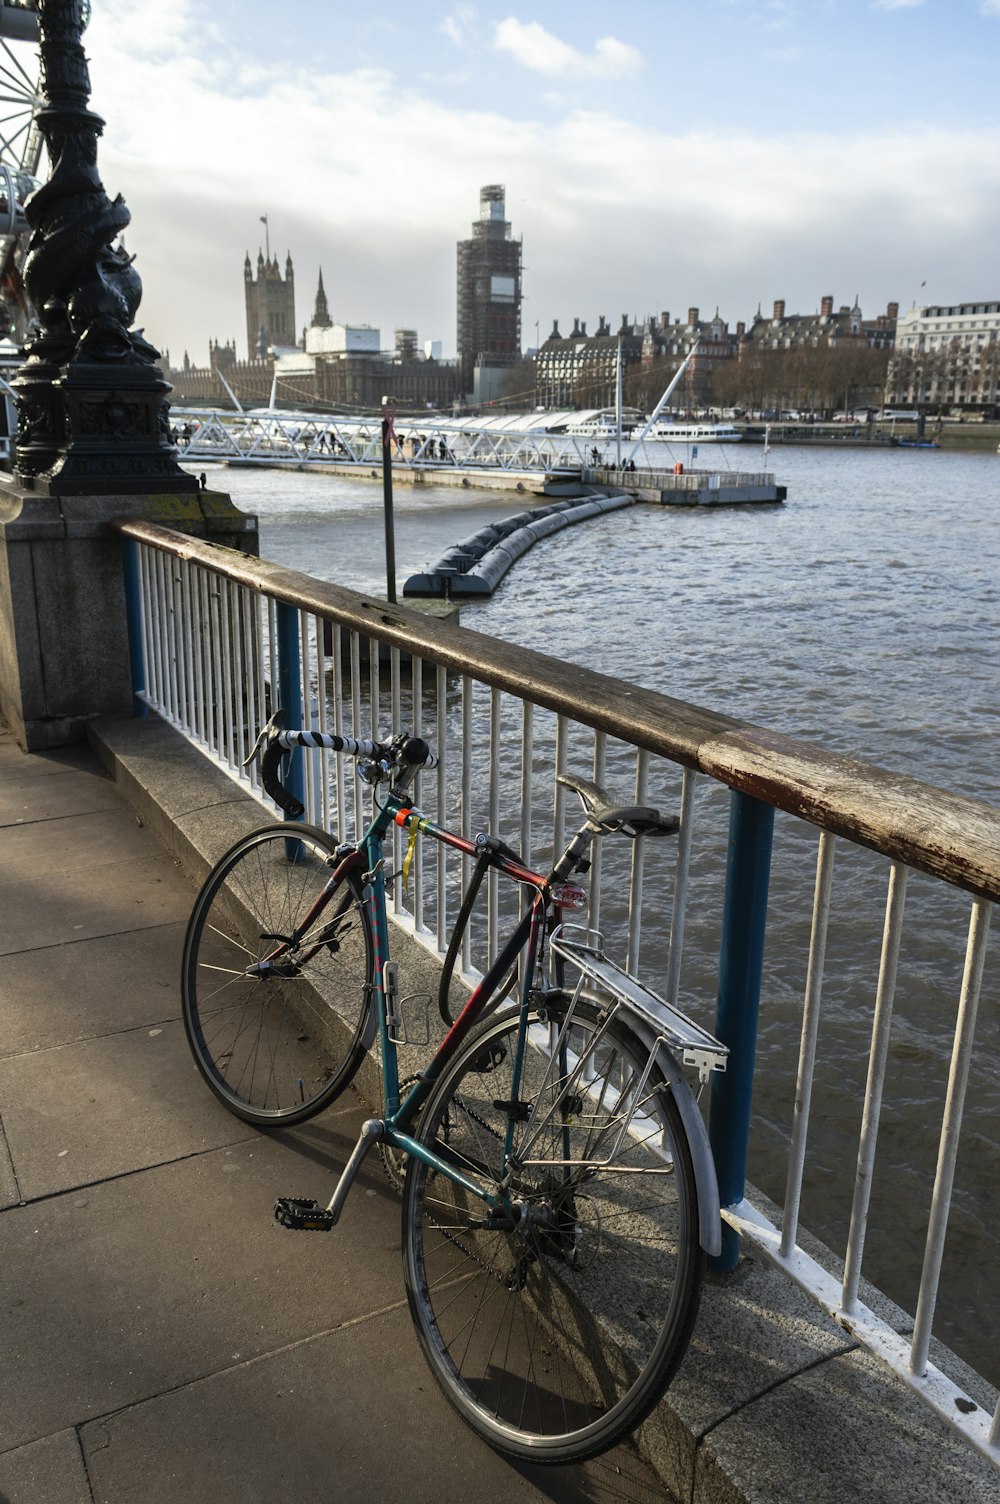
x: 515, y: 442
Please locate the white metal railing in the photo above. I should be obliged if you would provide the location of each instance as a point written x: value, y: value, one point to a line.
x: 220, y: 633
x: 682, y: 479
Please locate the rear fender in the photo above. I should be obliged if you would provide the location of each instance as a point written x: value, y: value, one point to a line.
x: 709, y: 1210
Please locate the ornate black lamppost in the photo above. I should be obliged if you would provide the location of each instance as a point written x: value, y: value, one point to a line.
x: 92, y: 404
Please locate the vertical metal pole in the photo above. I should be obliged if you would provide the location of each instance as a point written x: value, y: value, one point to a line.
x: 133, y: 618
x: 751, y: 827
x: 390, y: 535
x: 290, y: 690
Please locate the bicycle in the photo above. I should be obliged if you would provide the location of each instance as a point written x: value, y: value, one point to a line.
x: 559, y: 1194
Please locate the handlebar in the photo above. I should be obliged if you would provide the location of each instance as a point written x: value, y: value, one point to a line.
x: 404, y: 754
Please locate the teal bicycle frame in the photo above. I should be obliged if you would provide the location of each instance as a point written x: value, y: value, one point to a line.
x: 366, y: 858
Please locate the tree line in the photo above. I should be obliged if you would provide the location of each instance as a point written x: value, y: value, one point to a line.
x: 820, y: 379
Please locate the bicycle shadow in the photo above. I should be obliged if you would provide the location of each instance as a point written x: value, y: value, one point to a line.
x: 619, y: 1476
x: 616, y: 1477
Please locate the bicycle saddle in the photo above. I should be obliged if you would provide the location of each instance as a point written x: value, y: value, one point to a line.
x: 631, y: 819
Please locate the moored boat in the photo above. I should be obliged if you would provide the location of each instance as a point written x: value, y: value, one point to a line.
x: 696, y: 433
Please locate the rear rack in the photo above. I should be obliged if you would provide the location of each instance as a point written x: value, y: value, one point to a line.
x: 584, y: 949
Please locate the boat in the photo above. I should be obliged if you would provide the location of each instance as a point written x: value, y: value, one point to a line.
x: 915, y: 443
x: 600, y: 424
x: 696, y: 433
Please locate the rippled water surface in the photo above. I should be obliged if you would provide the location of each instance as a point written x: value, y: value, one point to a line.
x: 863, y: 615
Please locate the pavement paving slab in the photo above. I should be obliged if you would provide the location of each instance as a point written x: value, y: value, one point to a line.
x: 50, y: 1471
x: 132, y: 1287
x: 88, y: 839
x: 59, y: 994
x: 352, y: 1416
x: 42, y: 909
x: 28, y: 796
x: 99, y: 1108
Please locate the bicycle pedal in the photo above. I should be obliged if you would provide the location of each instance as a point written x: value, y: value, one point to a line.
x: 301, y: 1215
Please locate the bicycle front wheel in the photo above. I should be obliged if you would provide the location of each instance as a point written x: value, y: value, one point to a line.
x: 277, y: 986
x: 555, y: 1322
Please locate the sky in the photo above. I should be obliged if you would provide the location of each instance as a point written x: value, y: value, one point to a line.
x: 657, y: 155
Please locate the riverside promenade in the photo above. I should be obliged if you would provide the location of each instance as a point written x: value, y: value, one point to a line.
x: 161, y: 1339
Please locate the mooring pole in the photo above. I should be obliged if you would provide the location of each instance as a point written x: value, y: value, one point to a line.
x: 388, y: 432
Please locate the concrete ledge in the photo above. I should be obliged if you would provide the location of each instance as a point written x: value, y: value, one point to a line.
x: 774, y: 1404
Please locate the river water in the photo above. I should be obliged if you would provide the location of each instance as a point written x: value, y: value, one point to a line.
x: 863, y: 615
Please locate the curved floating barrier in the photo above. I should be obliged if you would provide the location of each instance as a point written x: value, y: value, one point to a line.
x: 476, y: 566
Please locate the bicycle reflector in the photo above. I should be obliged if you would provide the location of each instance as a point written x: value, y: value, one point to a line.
x: 569, y: 896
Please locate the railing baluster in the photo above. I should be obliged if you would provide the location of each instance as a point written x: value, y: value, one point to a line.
x: 807, y: 1048
x: 881, y: 1025
x: 417, y: 691
x: 442, y: 806
x: 597, y: 848
x: 290, y: 691
x: 466, y: 806
x: 495, y: 775
x: 751, y: 825
x: 559, y: 790
x: 637, y: 868
x: 527, y: 766
x: 675, y: 951
x: 337, y: 645
x: 958, y: 1079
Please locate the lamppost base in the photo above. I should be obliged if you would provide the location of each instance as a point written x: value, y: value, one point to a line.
x: 114, y: 434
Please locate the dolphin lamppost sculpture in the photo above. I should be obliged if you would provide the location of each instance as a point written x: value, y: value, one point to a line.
x: 92, y: 404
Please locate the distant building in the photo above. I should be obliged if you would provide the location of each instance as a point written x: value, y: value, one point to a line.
x: 827, y: 327
x: 672, y: 341
x: 947, y: 358
x: 343, y: 365
x: 580, y: 369
x: 488, y: 299
x: 270, y: 305
x: 335, y: 365
x: 336, y: 339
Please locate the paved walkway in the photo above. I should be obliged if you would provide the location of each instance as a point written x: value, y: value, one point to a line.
x: 162, y: 1341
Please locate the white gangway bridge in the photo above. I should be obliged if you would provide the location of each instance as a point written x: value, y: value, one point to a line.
x: 532, y: 441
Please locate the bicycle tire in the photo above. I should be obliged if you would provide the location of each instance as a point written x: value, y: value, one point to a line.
x: 277, y: 1046
x: 555, y: 1338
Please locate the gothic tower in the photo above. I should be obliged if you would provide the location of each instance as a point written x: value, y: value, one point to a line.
x: 270, y: 304
x: 321, y: 313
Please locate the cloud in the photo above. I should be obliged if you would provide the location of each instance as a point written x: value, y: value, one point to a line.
x: 458, y: 25
x: 374, y: 177
x: 896, y: 4
x: 534, y: 47
x: 990, y: 7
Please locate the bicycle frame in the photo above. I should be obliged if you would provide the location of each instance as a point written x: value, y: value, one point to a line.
x: 367, y: 860
x: 665, y: 1032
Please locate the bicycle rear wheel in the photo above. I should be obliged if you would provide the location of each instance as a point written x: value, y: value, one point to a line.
x: 553, y: 1336
x: 277, y: 1042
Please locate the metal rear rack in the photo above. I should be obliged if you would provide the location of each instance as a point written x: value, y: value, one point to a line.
x: 584, y: 949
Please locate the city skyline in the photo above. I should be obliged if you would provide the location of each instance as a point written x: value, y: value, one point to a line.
x: 725, y: 157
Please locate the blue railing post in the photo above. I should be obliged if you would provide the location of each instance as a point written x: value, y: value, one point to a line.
x: 133, y: 621
x: 744, y: 920
x: 289, y: 678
